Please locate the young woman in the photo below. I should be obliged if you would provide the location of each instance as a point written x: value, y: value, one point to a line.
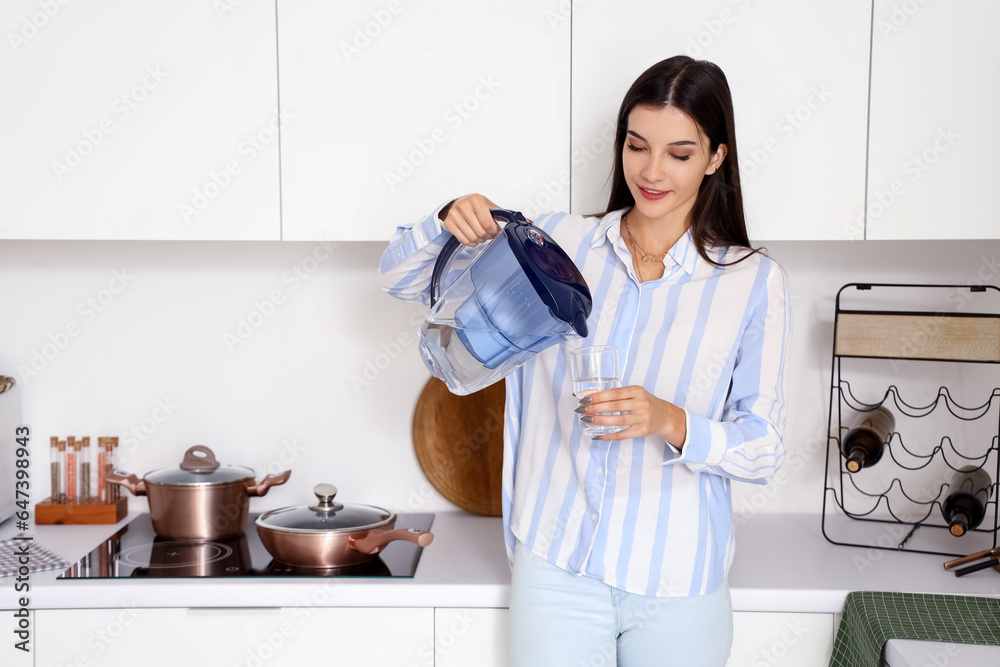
x: 620, y: 545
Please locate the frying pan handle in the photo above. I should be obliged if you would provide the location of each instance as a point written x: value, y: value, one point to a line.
x: 132, y: 483
x: 260, y: 488
x: 374, y: 542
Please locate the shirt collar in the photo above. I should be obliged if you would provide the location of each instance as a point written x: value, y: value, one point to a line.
x: 683, y: 253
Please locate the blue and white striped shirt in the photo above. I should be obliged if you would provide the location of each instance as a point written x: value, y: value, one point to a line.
x: 639, y: 514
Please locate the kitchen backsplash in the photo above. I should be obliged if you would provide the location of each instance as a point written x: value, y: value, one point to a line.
x: 286, y: 355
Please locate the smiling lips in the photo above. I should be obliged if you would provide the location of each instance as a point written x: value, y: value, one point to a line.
x: 653, y: 195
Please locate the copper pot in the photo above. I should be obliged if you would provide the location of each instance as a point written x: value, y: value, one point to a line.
x: 329, y: 534
x: 200, y: 499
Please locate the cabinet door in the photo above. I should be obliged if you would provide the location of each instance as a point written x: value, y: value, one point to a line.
x: 464, y: 637
x: 934, y: 133
x: 798, y: 72
x: 399, y: 106
x: 480, y: 637
x: 299, y: 636
x: 139, y: 120
x: 781, y: 640
x: 10, y: 655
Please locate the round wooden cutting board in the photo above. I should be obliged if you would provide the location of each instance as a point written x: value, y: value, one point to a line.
x: 459, y: 444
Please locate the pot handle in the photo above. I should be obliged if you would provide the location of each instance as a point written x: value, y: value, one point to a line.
x: 260, y: 488
x: 132, y: 483
x: 374, y: 542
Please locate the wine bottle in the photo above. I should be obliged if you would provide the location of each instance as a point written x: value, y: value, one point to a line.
x: 965, y: 506
x: 863, y: 444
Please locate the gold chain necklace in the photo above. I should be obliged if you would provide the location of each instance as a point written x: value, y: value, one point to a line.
x: 643, y: 255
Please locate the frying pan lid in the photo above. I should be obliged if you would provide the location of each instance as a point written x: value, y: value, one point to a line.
x: 325, y: 515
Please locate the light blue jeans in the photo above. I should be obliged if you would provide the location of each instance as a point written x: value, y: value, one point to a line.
x: 559, y: 619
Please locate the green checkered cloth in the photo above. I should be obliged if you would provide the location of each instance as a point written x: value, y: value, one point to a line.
x: 871, y: 618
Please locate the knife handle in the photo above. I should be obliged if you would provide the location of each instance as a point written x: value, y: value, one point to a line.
x: 961, y: 572
x: 986, y: 553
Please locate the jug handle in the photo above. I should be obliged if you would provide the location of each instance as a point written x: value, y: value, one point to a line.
x: 452, y: 246
x: 441, y: 267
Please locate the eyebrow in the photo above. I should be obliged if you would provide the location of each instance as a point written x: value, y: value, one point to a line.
x: 685, y: 142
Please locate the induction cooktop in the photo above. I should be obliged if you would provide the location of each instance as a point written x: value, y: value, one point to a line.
x: 137, y: 551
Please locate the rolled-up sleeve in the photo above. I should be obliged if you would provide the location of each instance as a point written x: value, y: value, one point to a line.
x: 405, y: 268
x: 747, y: 442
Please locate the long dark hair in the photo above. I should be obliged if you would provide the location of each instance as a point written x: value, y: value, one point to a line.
x: 699, y: 89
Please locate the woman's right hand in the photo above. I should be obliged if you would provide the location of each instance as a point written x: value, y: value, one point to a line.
x: 470, y: 220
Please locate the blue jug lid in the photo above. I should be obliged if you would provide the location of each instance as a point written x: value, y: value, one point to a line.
x: 556, y: 279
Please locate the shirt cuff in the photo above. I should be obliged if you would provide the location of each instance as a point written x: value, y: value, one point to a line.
x: 431, y: 229
x: 704, y: 444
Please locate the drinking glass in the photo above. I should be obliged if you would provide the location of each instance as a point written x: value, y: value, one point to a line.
x: 594, y: 369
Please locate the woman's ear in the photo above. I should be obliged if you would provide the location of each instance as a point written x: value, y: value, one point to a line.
x: 717, y: 158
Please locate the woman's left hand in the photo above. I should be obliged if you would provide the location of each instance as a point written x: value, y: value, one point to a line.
x: 646, y: 414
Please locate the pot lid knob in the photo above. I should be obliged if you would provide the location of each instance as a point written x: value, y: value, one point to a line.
x: 199, y: 459
x: 325, y: 494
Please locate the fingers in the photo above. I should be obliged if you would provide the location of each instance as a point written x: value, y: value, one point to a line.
x: 630, y: 431
x: 624, y: 434
x: 470, y: 220
x: 624, y: 405
x: 604, y: 395
x: 632, y: 405
x: 603, y: 413
x: 614, y: 400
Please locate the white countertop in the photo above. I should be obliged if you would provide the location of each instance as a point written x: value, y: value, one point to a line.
x: 782, y: 563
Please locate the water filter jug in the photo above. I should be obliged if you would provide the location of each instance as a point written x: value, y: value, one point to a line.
x: 495, y: 306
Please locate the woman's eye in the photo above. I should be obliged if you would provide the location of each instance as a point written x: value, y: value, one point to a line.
x: 682, y: 157
x: 633, y: 148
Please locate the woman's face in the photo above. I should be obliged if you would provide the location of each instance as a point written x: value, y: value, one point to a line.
x: 665, y: 157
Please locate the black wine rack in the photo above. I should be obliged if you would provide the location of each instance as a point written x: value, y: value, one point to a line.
x: 896, y: 504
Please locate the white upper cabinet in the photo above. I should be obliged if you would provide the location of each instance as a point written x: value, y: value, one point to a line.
x: 397, y: 106
x: 139, y: 120
x: 799, y: 76
x: 934, y: 133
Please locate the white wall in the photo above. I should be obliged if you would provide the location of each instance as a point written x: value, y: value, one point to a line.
x: 284, y: 397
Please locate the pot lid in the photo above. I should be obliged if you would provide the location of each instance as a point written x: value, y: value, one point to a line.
x: 325, y: 515
x: 199, y: 467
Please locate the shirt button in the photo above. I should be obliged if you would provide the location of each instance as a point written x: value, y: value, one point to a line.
x: 593, y: 516
x: 599, y: 470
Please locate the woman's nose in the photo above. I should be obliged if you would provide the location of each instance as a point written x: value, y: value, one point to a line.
x: 652, y: 170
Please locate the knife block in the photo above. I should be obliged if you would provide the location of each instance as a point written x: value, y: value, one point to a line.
x: 49, y: 512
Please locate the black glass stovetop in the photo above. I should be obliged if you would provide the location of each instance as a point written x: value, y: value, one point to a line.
x: 136, y: 551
